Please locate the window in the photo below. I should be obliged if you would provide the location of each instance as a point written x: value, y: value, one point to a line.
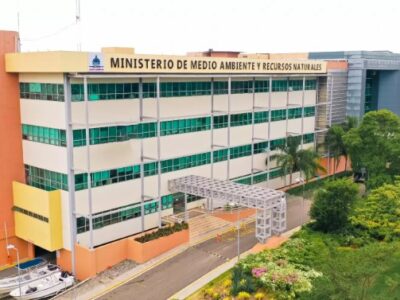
x: 51, y: 136
x: 41, y: 91
x: 49, y: 180
x: 278, y: 115
x: 309, y: 111
x: 240, y: 151
x: 30, y: 214
x: 296, y: 85
x: 308, y: 138
x: 279, y: 85
x: 294, y: 113
x: 262, y: 86
x: 241, y: 119
x: 311, y: 84
x: 260, y: 117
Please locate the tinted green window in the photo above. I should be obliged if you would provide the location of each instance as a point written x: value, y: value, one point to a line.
x: 41, y: 91
x: 279, y: 85
x: 277, y: 143
x: 308, y: 138
x: 294, y: 113
x: 260, y: 117
x: 296, y: 85
x: 49, y: 180
x: 262, y: 86
x: 220, y: 155
x: 260, y: 147
x: 311, y: 84
x: 241, y: 119
x: 278, y: 115
x: 241, y: 87
x: 240, y: 151
x: 309, y: 111
x: 220, y: 121
x: 44, y: 135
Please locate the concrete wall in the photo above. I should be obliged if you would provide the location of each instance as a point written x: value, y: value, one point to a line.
x: 11, y: 164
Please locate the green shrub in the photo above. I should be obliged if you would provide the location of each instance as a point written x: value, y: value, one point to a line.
x: 333, y: 204
x: 379, y: 213
x: 165, y: 231
x: 242, y: 281
x: 209, y: 292
x: 243, y: 296
x: 259, y: 296
x: 215, y: 296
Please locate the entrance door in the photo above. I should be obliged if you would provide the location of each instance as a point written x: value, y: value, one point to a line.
x: 47, y: 255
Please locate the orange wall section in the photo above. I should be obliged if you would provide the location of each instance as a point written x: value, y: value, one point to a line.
x: 11, y: 161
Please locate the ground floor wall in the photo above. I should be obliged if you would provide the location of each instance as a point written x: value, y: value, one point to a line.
x: 89, y: 262
x: 7, y: 259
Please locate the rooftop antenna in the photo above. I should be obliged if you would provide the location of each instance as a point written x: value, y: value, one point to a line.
x: 18, y: 29
x: 78, y: 24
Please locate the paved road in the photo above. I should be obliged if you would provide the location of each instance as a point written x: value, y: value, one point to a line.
x: 170, y: 277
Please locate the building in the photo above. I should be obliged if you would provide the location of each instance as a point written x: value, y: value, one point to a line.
x: 373, y: 79
x: 100, y: 134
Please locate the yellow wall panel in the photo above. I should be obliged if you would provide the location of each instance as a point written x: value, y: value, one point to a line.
x: 47, y: 235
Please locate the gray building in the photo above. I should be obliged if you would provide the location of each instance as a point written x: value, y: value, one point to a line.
x: 373, y: 80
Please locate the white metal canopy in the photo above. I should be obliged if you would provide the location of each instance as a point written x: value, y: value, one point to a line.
x: 269, y: 204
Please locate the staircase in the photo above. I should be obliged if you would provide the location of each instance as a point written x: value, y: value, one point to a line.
x: 206, y: 224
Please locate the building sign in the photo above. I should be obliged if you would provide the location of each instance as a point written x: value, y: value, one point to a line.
x: 171, y: 64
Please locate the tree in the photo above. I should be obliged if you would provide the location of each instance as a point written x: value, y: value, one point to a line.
x: 334, y: 140
x: 335, y: 144
x: 292, y: 159
x: 375, y: 145
x: 379, y: 214
x: 333, y: 204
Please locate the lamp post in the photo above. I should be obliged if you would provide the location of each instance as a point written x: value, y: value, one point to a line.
x: 232, y: 205
x: 301, y: 180
x: 12, y: 247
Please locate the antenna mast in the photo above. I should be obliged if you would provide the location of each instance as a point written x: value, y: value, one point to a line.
x: 78, y: 24
x: 18, y: 29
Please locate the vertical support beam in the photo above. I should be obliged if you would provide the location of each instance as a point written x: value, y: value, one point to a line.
x: 141, y: 112
x: 210, y: 202
x: 88, y: 164
x: 269, y: 129
x: 228, y: 134
x: 287, y: 117
x: 252, y: 127
x: 302, y: 110
x: 70, y: 169
x: 159, y: 155
x: 186, y: 210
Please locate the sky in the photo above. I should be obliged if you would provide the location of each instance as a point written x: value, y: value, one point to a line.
x: 180, y: 26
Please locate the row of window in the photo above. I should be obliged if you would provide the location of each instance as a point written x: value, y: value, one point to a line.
x: 117, y: 91
x: 128, y: 212
x: 257, y: 178
x: 30, y: 214
x: 41, y: 91
x: 49, y: 180
x: 111, y: 134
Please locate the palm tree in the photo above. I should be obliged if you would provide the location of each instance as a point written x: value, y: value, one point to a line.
x: 334, y: 140
x: 335, y: 144
x: 292, y: 159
